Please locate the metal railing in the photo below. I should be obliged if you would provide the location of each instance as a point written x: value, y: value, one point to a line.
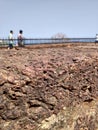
x: 5, y: 42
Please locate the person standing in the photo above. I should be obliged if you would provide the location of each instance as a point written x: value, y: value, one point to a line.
x: 20, y: 39
x: 10, y: 37
x: 96, y: 39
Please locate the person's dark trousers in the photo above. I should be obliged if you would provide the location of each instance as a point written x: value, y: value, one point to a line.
x: 10, y: 46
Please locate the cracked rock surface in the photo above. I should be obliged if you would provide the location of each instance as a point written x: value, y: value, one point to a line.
x: 49, y: 88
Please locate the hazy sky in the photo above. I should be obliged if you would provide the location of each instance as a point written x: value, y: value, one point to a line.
x: 45, y: 18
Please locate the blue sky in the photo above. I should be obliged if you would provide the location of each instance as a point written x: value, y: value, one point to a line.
x: 45, y: 18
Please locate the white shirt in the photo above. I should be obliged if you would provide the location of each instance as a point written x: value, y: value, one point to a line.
x: 11, y: 37
x: 97, y: 37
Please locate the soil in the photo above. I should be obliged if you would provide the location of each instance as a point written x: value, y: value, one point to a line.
x: 47, y: 87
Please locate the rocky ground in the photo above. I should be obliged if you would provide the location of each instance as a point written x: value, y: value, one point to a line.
x: 49, y: 87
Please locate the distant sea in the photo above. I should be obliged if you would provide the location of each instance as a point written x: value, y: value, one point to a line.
x: 49, y: 40
x: 64, y: 40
